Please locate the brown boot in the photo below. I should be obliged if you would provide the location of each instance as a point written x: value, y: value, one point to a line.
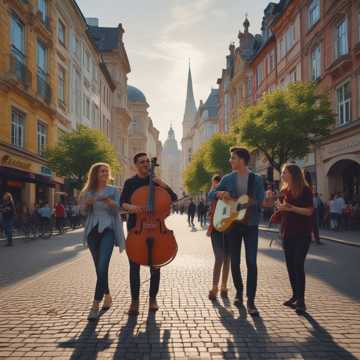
x: 107, y: 302
x: 153, y: 306
x: 134, y: 308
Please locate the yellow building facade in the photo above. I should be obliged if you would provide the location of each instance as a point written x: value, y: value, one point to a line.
x: 27, y: 100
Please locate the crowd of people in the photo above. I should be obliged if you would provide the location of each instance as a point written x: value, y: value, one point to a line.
x: 17, y: 216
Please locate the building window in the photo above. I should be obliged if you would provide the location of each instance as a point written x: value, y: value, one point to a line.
x: 77, y: 95
x: 78, y: 48
x: 17, y: 37
x: 61, y: 32
x: 314, y: 12
x: 87, y: 60
x: 61, y: 85
x: 17, y: 128
x: 271, y: 62
x: 259, y: 74
x: 282, y: 48
x: 41, y: 137
x: 316, y: 63
x: 41, y: 58
x: 341, y: 41
x: 344, y: 103
x: 42, y: 6
x: 87, y: 107
x: 293, y: 76
x: 289, y: 38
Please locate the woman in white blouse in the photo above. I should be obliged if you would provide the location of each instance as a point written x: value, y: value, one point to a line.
x: 103, y: 229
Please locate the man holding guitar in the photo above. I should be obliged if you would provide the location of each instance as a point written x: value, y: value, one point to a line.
x: 241, y: 181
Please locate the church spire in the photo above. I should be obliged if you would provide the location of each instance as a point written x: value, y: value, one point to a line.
x: 190, y: 107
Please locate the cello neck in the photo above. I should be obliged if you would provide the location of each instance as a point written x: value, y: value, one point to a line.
x: 150, y: 199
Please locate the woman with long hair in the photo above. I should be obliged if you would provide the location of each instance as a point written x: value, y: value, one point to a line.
x: 103, y: 229
x: 7, y: 209
x: 295, y: 210
x: 221, y: 248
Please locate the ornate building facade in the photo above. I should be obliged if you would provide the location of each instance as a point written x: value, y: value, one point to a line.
x: 142, y: 135
x: 110, y: 43
x: 27, y: 100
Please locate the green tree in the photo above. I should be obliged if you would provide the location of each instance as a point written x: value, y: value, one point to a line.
x: 196, y: 176
x: 76, y: 151
x: 217, y: 153
x: 285, y: 124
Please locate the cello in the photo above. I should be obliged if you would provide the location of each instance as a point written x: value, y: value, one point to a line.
x: 150, y: 242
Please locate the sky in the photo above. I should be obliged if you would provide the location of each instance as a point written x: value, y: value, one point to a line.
x: 160, y: 38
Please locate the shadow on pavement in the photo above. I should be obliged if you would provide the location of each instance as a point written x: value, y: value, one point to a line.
x: 26, y: 259
x: 87, y: 346
x: 333, y: 264
x: 139, y: 343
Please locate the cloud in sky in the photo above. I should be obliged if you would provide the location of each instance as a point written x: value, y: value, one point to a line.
x: 161, y: 36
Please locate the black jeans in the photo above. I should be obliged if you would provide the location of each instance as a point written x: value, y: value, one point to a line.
x: 250, y: 234
x: 135, y: 281
x: 296, y: 249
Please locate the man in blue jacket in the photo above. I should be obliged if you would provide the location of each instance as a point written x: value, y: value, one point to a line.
x: 239, y: 182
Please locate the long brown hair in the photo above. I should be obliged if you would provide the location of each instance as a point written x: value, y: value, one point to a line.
x: 298, y: 183
x: 92, y: 177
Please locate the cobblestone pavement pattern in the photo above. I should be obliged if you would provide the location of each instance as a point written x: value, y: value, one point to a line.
x: 44, y: 317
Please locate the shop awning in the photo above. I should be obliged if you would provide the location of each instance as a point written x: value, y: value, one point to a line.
x: 15, y: 174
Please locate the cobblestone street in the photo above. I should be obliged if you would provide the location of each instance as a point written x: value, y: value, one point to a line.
x: 47, y: 289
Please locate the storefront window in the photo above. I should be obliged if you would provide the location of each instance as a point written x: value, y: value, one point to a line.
x: 17, y: 128
x: 41, y: 137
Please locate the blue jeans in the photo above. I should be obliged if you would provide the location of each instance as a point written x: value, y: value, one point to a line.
x: 8, y: 229
x: 101, y: 250
x: 250, y: 235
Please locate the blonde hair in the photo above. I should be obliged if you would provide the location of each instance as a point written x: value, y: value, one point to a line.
x: 298, y: 181
x: 91, y: 180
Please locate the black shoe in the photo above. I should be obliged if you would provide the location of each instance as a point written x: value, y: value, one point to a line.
x: 300, y: 308
x: 251, y: 309
x: 291, y: 302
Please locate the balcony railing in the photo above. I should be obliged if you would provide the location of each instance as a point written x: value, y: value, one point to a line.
x: 19, y: 68
x: 43, y: 87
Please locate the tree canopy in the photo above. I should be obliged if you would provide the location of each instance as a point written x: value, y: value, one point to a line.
x: 76, y: 151
x: 285, y: 123
x: 212, y: 157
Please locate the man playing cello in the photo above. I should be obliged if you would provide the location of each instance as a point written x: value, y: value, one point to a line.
x: 142, y: 165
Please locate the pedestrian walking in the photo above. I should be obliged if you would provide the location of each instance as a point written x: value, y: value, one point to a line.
x: 334, y: 221
x: 201, y: 212
x: 191, y: 213
x: 7, y: 209
x: 221, y: 249
x: 340, y: 206
x: 103, y: 229
x: 295, y: 211
x: 316, y: 218
x: 60, y: 217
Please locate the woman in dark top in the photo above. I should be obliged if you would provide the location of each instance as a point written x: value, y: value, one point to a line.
x: 295, y: 211
x: 7, y: 208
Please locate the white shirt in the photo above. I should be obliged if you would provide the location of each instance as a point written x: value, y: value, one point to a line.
x: 339, y: 205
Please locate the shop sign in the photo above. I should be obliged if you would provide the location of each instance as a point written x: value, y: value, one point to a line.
x: 7, y: 160
x: 15, y: 184
x: 45, y: 171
